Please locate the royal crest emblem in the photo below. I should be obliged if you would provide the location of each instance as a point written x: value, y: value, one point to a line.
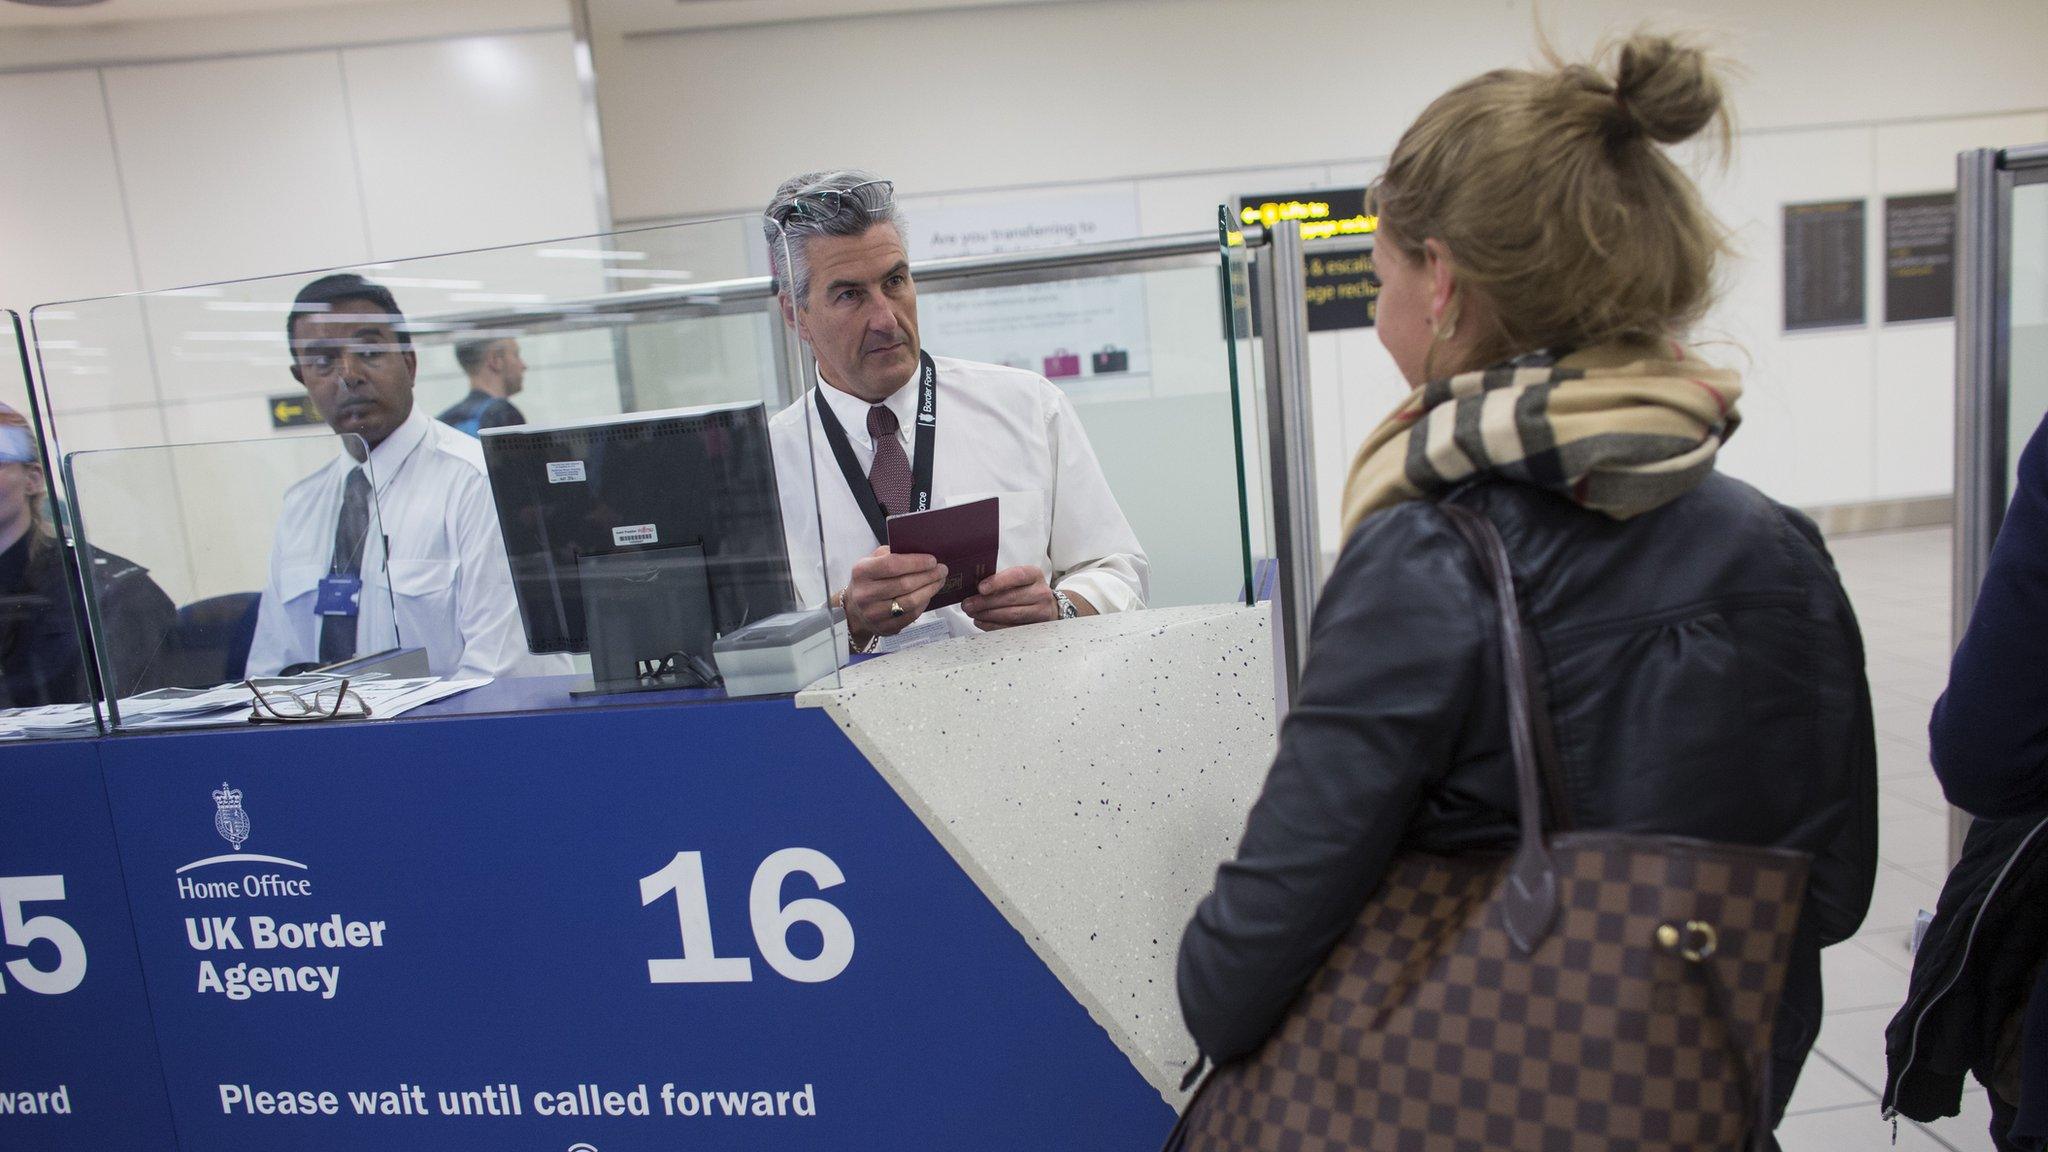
x: 228, y: 818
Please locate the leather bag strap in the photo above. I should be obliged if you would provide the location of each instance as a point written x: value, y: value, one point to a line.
x: 1530, y: 896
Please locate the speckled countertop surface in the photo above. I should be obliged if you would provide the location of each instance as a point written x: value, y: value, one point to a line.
x: 1089, y: 775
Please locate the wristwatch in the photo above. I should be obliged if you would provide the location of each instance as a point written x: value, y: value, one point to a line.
x: 1066, y: 606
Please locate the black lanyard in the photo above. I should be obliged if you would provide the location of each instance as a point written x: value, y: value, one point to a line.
x: 920, y: 464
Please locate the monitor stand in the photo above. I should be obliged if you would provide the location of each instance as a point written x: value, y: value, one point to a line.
x: 649, y: 619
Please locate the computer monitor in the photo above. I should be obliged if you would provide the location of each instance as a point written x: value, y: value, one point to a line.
x: 700, y: 479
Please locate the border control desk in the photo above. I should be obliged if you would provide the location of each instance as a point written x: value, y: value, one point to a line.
x: 934, y: 907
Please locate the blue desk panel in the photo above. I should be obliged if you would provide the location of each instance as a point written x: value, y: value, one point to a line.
x: 492, y: 900
x: 78, y: 1062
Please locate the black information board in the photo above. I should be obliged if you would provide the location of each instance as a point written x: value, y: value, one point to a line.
x: 1338, y: 285
x: 1824, y: 275
x: 1919, y: 257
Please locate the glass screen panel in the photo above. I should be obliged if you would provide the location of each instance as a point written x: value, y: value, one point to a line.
x: 2027, y: 399
x: 46, y: 671
x: 576, y: 491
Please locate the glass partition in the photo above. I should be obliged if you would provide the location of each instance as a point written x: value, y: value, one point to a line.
x: 46, y: 673
x: 184, y: 594
x: 564, y: 450
x: 1144, y: 362
x: 2027, y: 397
x: 1246, y: 364
x: 636, y: 394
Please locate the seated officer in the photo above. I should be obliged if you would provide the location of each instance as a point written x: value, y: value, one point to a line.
x: 418, y: 518
x: 1066, y: 549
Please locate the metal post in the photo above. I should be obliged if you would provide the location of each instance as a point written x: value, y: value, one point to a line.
x: 600, y: 181
x: 1283, y: 327
x: 1980, y: 387
x: 1981, y: 397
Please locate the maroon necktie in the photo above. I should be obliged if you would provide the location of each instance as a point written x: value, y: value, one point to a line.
x: 889, y: 475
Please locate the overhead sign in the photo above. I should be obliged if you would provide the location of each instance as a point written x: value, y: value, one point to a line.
x: 1323, y: 213
x: 293, y: 411
x: 1919, y: 257
x: 1339, y: 287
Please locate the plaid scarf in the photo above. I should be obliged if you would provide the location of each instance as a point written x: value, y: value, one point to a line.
x: 1622, y: 430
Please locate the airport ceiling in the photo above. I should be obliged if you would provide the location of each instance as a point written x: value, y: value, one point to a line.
x: 16, y: 14
x: 617, y: 17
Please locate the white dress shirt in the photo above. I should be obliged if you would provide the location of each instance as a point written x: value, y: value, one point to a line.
x: 444, y: 585
x: 1002, y: 432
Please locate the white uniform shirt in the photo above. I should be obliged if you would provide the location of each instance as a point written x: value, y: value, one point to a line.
x: 1002, y: 432
x: 445, y: 585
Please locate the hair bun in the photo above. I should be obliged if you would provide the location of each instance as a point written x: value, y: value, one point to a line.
x: 1668, y: 89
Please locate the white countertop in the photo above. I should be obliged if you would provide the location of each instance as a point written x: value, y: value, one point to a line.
x: 1088, y: 775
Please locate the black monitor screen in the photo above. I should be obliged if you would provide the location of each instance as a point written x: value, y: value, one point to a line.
x: 701, y: 477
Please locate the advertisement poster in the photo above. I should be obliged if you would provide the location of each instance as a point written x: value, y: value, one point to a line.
x: 1066, y: 330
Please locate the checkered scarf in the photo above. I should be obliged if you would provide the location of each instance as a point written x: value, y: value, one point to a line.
x: 1622, y: 430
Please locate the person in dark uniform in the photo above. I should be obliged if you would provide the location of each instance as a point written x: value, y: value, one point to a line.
x: 42, y: 658
x: 496, y: 374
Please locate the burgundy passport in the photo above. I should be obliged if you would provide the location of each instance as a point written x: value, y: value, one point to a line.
x: 963, y: 538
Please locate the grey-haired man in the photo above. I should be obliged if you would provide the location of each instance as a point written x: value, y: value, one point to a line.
x: 836, y: 241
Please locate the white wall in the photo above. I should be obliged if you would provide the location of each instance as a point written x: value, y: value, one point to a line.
x: 1184, y: 102
x: 236, y: 146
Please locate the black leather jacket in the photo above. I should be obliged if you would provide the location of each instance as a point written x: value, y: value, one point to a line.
x: 1704, y: 677
x: 42, y: 653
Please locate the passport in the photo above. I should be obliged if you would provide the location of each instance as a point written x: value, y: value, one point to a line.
x: 963, y: 538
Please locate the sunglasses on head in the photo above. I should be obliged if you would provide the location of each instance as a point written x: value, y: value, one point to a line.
x: 825, y: 203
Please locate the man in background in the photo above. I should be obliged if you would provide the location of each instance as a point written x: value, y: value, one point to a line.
x: 396, y: 540
x: 496, y: 374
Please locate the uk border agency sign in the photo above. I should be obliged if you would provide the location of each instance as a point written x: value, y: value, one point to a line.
x: 617, y: 929
x: 78, y: 1064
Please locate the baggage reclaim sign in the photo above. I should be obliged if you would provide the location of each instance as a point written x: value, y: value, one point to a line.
x: 1339, y: 285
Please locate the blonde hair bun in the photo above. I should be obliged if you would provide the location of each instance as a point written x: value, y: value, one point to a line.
x: 1667, y: 88
x: 1564, y: 218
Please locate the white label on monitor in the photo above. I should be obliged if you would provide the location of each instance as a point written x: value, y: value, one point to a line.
x: 565, y: 471
x: 633, y: 534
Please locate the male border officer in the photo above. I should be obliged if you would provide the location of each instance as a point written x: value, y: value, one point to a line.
x: 837, y: 245
x: 417, y: 511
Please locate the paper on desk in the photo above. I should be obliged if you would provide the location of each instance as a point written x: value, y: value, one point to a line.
x: 231, y: 703
x: 46, y: 720
x: 391, y: 698
x: 184, y: 701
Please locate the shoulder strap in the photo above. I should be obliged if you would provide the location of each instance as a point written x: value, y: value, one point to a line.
x: 1530, y: 899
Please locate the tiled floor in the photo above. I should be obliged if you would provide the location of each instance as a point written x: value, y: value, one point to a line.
x: 1899, y: 583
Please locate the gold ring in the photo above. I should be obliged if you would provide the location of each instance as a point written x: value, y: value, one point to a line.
x: 895, y: 609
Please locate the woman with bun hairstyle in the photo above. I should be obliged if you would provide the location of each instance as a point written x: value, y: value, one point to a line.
x: 1542, y: 260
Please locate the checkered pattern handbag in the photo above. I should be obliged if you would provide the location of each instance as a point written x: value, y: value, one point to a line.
x: 1593, y: 991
